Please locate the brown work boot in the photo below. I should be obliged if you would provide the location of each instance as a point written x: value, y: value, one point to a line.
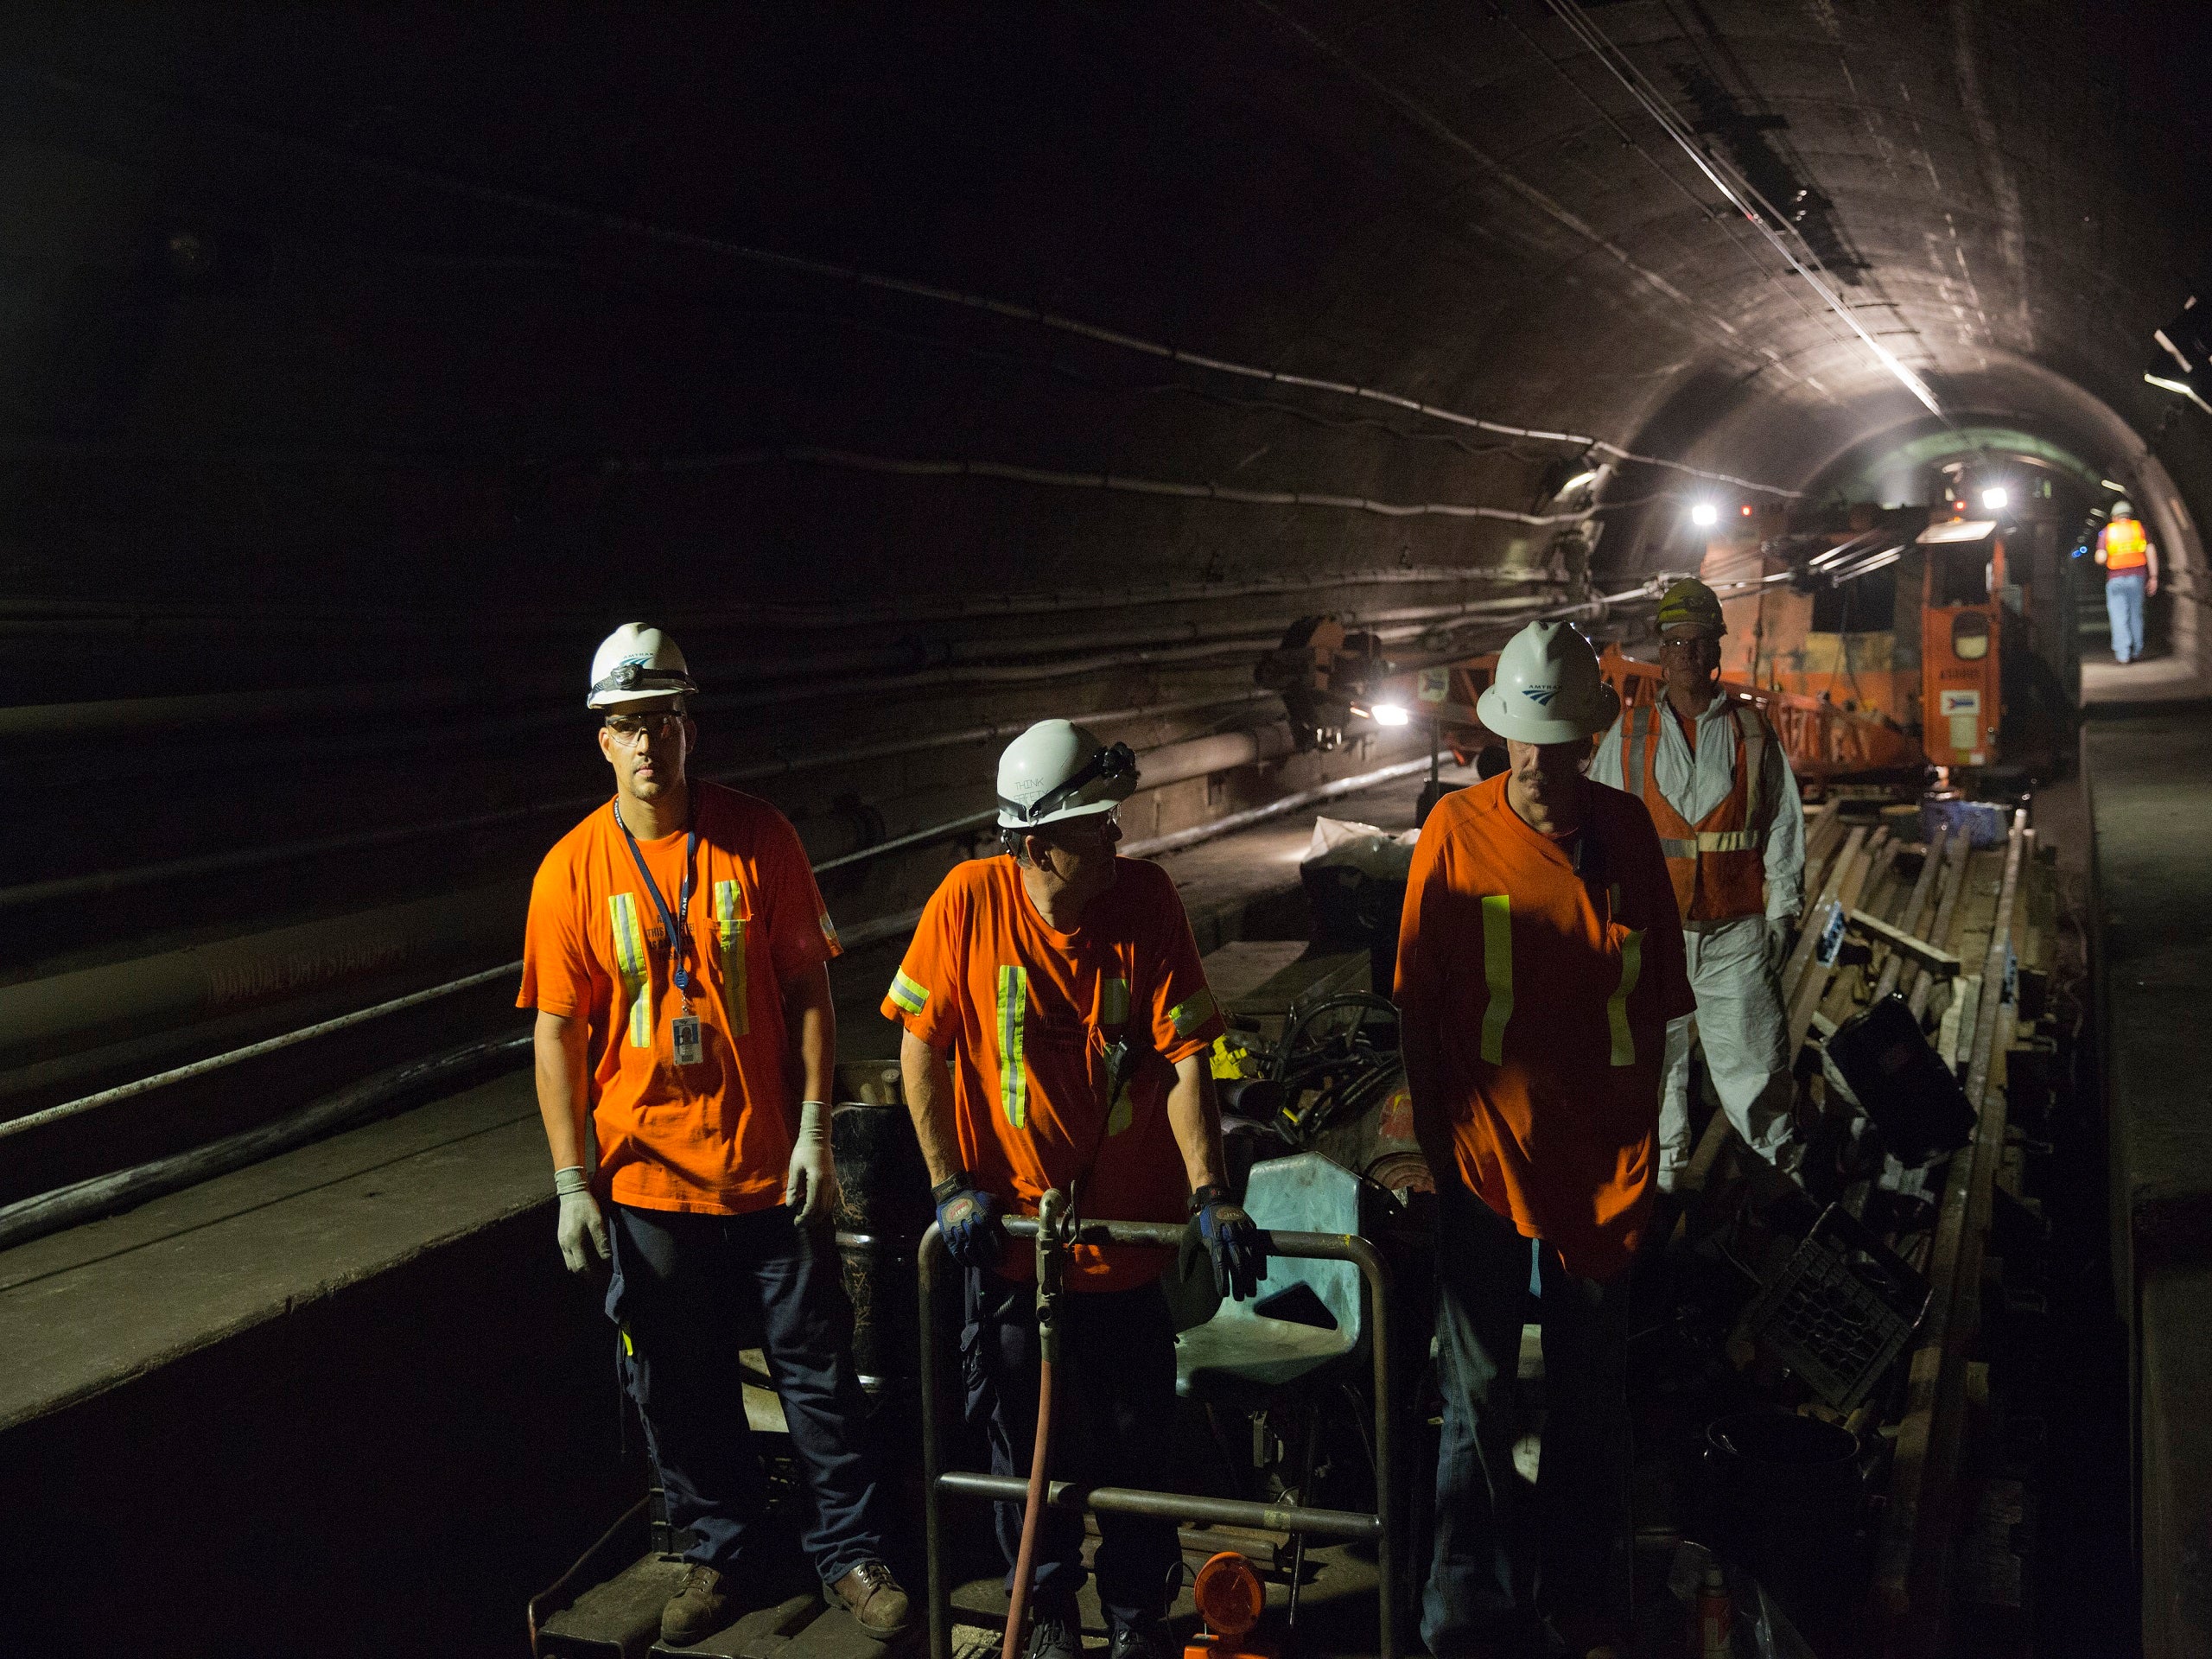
x: 873, y: 1597
x: 699, y: 1608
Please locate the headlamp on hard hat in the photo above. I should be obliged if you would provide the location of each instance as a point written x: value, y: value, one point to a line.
x: 1115, y: 761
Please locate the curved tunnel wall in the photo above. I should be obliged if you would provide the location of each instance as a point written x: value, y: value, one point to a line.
x: 463, y: 322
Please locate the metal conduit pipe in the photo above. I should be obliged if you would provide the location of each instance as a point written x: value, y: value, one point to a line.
x: 42, y: 1014
x: 102, y: 882
x: 899, y: 666
x: 88, y: 1200
x: 873, y: 931
x: 41, y: 1017
x: 74, y: 614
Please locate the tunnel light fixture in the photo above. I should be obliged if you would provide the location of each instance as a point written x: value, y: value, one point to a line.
x: 2165, y: 384
x: 1578, y: 482
x: 1390, y: 714
x: 1741, y: 194
x: 1995, y: 497
x: 1705, y: 513
x: 2117, y: 489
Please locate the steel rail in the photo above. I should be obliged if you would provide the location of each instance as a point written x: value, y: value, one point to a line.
x: 1386, y: 1528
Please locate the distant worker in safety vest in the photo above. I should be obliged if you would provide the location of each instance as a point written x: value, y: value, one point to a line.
x: 1540, y: 958
x: 1709, y: 769
x: 2130, y: 563
x: 1058, y: 1027
x: 676, y: 955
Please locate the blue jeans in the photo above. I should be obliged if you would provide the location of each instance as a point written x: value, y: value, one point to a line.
x: 2123, y: 605
x: 687, y: 1288
x: 1113, y: 1423
x: 1500, y: 1561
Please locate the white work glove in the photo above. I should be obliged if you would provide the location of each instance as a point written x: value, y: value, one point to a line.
x: 1777, y: 943
x: 811, y: 1189
x: 580, y: 1220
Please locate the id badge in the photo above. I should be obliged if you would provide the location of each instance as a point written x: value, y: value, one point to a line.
x: 684, y: 1029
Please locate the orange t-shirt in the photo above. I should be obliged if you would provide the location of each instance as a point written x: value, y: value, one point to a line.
x: 1549, y: 992
x: 1025, y: 1015
x: 713, y: 1138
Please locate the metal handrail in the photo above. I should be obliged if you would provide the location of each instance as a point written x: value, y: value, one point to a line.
x: 1382, y: 1526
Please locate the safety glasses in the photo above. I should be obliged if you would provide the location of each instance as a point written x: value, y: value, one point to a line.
x: 628, y: 729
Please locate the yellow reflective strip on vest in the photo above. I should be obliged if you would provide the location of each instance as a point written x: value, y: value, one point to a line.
x: 729, y: 930
x: 1497, y: 971
x: 908, y: 993
x: 1617, y: 1004
x: 1114, y: 1002
x: 1194, y: 1011
x: 1726, y: 840
x: 634, y: 966
x: 1014, y: 1076
x: 1678, y: 849
x: 1754, y: 730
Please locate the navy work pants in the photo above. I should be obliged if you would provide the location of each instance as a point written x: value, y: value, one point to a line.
x: 687, y: 1288
x: 1113, y: 1421
x: 1497, y: 1565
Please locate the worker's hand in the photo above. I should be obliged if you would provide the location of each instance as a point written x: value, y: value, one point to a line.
x: 582, y: 1229
x: 1777, y: 943
x: 2150, y: 586
x: 1239, y: 1248
x: 810, y: 1186
x: 971, y: 1223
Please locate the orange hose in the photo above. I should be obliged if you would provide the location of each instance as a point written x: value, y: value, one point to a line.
x: 1017, y: 1608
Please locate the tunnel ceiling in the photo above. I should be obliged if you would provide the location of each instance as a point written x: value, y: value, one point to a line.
x: 321, y: 295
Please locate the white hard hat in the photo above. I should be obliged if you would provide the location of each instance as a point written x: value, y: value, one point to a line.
x: 2123, y: 510
x: 1057, y: 770
x: 636, y: 663
x: 1546, y: 689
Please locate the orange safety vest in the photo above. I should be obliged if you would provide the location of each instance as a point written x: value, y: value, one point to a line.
x: 2124, y: 545
x: 1719, y: 866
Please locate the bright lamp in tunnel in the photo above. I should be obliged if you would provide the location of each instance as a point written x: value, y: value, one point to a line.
x: 1705, y: 513
x: 1390, y: 714
x: 1994, y: 497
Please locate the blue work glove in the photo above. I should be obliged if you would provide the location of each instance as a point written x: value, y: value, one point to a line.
x: 1239, y: 1248
x: 969, y: 1221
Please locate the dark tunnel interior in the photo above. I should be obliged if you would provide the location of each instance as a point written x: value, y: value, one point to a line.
x: 928, y: 372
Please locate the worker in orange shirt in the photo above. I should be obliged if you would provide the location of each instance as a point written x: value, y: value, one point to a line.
x: 1540, y: 958
x: 1056, y: 1029
x: 2130, y: 563
x: 677, y: 957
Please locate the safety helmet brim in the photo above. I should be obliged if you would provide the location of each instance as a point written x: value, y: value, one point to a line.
x: 1501, y: 717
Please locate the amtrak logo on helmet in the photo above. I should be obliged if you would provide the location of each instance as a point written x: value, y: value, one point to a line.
x: 1542, y: 695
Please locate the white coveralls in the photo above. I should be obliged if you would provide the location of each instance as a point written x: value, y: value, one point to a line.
x: 1741, y: 1023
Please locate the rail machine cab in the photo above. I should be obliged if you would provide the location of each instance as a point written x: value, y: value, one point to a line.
x: 1961, y: 703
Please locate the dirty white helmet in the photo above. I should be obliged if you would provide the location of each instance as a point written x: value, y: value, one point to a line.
x: 1057, y: 770
x: 2123, y: 510
x: 636, y: 663
x: 1546, y: 689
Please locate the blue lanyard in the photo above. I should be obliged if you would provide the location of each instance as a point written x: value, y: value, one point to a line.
x: 678, y: 926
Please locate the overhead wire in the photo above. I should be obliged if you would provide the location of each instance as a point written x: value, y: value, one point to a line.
x: 1687, y: 194
x: 629, y: 226
x: 1740, y: 193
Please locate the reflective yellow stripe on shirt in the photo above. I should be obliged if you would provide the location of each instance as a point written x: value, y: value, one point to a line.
x: 1497, y: 970
x: 909, y: 994
x: 1194, y: 1011
x: 1114, y: 1002
x: 730, y: 931
x: 1013, y: 1075
x: 634, y: 966
x: 1726, y: 840
x: 1617, y: 1004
